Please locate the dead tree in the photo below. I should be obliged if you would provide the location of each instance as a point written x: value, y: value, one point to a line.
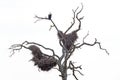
x: 67, y: 42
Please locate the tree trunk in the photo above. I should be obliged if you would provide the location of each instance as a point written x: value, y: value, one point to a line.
x: 64, y: 75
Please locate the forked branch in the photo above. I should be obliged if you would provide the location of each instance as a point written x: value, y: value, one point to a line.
x: 17, y: 47
x: 47, y: 18
x: 75, y: 15
x: 75, y: 69
x: 88, y: 44
x: 72, y: 23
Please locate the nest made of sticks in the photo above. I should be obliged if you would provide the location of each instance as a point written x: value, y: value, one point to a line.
x: 43, y: 61
x: 68, y: 40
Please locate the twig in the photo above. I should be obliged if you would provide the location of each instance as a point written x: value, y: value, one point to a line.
x: 16, y: 47
x: 39, y: 18
x: 80, y: 72
x: 79, y: 13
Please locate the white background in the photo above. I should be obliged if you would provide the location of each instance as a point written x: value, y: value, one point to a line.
x: 101, y: 19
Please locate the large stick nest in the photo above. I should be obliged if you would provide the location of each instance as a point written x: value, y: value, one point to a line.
x: 68, y: 40
x: 43, y: 61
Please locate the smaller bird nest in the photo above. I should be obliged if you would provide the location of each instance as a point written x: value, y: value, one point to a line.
x: 43, y: 61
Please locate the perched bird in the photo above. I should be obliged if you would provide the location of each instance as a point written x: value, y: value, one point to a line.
x: 49, y: 16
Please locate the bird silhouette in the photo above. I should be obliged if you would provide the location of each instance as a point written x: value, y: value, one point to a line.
x: 49, y: 16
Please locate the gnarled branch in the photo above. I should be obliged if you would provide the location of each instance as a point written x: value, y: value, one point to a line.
x: 75, y: 15
x: 16, y: 47
x: 88, y: 44
x: 46, y: 18
x: 72, y: 23
x: 74, y: 69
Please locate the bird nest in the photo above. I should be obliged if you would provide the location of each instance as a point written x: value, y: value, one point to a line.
x: 43, y: 61
x: 68, y: 40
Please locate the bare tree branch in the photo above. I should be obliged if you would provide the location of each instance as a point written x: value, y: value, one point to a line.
x: 39, y: 18
x: 88, y: 44
x: 72, y: 23
x: 80, y: 72
x: 16, y: 47
x: 74, y: 69
x: 79, y: 19
x: 45, y: 18
x: 79, y: 12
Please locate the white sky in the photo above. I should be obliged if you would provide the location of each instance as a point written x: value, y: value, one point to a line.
x: 101, y: 19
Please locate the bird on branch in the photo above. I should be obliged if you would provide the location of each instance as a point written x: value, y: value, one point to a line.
x: 49, y: 16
